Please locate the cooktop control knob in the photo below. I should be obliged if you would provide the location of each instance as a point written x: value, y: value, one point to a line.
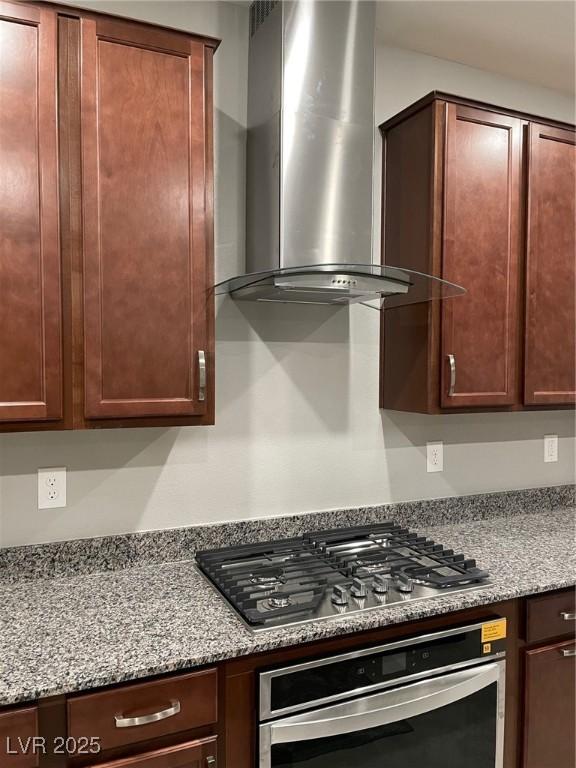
x: 339, y: 595
x: 403, y: 583
x: 358, y: 589
x: 380, y: 584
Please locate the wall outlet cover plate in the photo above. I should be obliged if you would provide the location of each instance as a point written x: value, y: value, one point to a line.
x: 550, y: 448
x: 435, y: 456
x: 51, y: 487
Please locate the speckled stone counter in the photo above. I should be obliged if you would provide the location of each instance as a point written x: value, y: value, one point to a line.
x: 77, y: 632
x: 112, y: 553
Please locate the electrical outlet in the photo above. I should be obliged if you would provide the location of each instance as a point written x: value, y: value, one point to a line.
x: 434, y: 457
x: 550, y: 448
x: 51, y: 487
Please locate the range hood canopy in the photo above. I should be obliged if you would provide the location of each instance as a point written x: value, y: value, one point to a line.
x: 311, y: 128
x: 339, y: 284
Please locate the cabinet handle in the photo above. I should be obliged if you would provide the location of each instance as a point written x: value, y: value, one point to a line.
x: 568, y: 616
x: 211, y: 762
x: 568, y: 652
x: 131, y: 722
x: 452, y: 364
x: 201, y: 375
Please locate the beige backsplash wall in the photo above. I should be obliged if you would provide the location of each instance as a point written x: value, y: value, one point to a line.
x: 298, y: 426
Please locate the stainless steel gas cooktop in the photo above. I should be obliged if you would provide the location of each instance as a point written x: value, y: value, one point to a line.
x: 327, y: 574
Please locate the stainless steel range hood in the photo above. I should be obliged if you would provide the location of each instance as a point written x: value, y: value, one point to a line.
x: 310, y: 160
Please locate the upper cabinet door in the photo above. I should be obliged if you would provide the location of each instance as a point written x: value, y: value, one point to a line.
x: 30, y: 304
x: 146, y: 221
x: 550, y: 362
x: 479, y: 347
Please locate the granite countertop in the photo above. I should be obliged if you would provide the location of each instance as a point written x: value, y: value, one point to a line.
x: 72, y: 633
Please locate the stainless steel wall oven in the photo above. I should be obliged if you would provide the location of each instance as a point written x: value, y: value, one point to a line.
x: 434, y: 701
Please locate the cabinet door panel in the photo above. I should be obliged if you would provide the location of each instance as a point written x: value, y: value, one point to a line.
x: 549, y: 710
x: 30, y: 304
x: 480, y: 251
x: 550, y: 360
x: 17, y: 729
x: 194, y: 754
x: 145, y: 226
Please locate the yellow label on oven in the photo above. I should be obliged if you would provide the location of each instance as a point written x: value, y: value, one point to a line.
x: 494, y: 630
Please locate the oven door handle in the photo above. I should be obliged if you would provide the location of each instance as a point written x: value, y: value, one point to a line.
x: 389, y: 706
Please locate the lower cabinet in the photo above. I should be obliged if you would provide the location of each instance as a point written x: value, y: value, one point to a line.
x: 131, y: 714
x: 549, y: 706
x: 18, y: 735
x: 549, y: 735
x: 194, y: 754
x: 209, y: 718
x: 169, y: 722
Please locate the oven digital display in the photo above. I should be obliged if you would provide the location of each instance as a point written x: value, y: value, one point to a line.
x: 393, y: 664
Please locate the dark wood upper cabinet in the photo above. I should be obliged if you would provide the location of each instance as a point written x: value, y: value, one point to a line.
x: 144, y: 176
x: 551, y: 267
x: 481, y: 241
x: 120, y: 316
x: 30, y: 296
x: 454, y: 205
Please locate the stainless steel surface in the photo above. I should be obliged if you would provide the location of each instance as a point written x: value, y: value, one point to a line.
x: 389, y: 707
x: 266, y: 678
x: 154, y: 717
x: 339, y: 595
x: 201, y: 375
x: 310, y: 150
x: 568, y: 652
x: 320, y: 288
x: 263, y: 148
x: 310, y: 135
x: 568, y: 616
x: 452, y: 364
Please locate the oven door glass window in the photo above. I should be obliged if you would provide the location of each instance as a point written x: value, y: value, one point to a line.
x: 453, y: 720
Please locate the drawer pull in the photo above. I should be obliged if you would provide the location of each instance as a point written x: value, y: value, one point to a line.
x: 201, y: 375
x: 568, y: 616
x: 452, y: 363
x: 568, y: 652
x: 132, y: 722
x: 211, y: 762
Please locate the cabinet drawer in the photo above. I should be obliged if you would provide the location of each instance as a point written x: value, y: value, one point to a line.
x: 551, y: 615
x: 133, y: 713
x: 550, y: 706
x: 17, y: 729
x: 193, y: 754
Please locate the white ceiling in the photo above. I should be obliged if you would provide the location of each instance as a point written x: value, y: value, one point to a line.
x: 531, y: 40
